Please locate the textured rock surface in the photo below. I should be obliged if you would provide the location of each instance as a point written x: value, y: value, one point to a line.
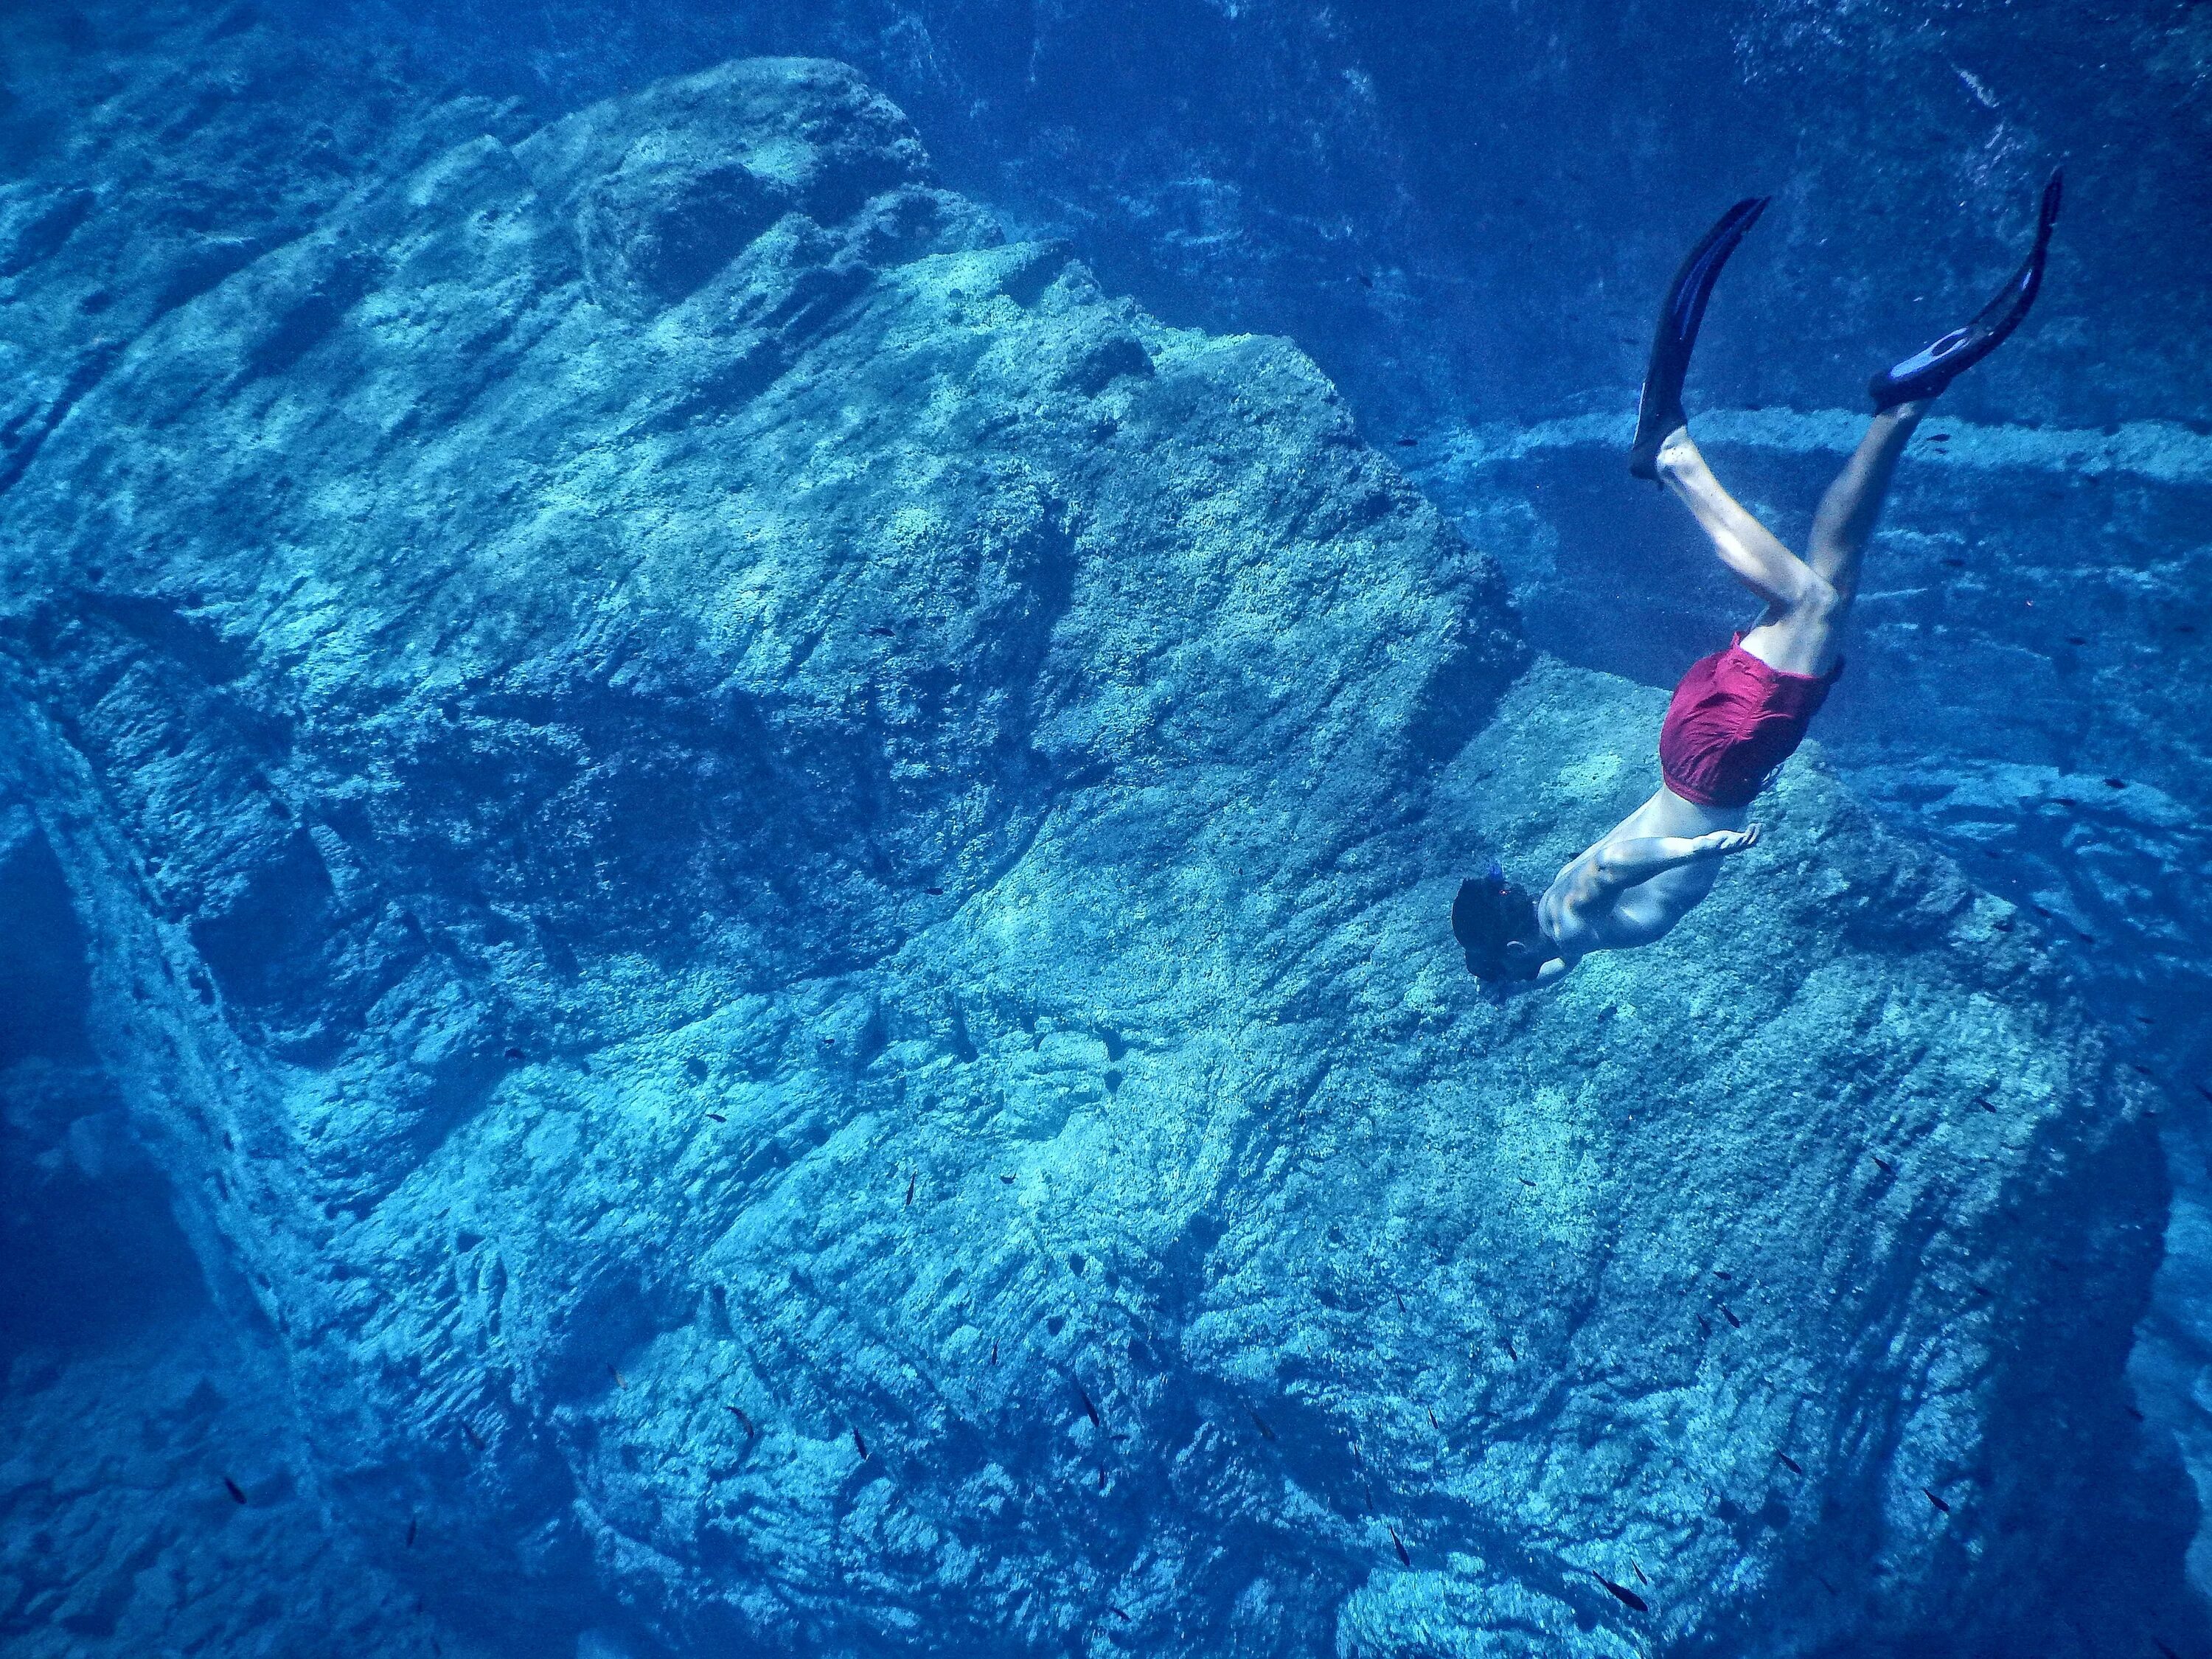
x: 770, y: 879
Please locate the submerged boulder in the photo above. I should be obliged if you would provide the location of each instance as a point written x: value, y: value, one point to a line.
x: 773, y: 880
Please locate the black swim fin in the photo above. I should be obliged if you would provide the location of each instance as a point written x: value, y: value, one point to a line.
x: 1927, y: 373
x: 1661, y: 410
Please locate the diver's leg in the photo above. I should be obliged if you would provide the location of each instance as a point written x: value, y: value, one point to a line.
x: 1846, y: 519
x: 1747, y: 547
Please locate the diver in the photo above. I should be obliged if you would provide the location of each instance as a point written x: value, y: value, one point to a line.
x: 1739, y: 714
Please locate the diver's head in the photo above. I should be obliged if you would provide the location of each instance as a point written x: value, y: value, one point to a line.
x: 1495, y: 922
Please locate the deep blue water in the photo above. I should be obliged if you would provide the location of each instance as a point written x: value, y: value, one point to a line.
x: 733, y: 745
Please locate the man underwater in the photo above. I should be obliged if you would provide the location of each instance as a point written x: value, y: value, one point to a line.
x: 1737, y: 715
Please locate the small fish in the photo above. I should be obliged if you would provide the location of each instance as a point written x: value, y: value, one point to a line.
x: 410, y: 1532
x: 1008, y: 1179
x: 880, y: 632
x: 1089, y: 1410
x: 1956, y: 564
x: 1398, y: 1544
x: 2075, y: 639
x: 1887, y: 1168
x: 2133, y: 1413
x: 2116, y: 783
x: 237, y: 1492
x: 475, y: 1439
x: 1622, y: 1594
x: 1637, y: 1568
x: 994, y: 1352
x: 1261, y: 1424
x: 934, y: 892
x: 1936, y: 1501
x: 1986, y: 1106
x: 1717, y: 1273
x: 1102, y: 1480
x: 621, y: 1382
x: 1400, y: 1300
x: 1704, y: 1327
x: 1433, y: 1424
x: 909, y: 1191
x: 1983, y: 1289
x: 1827, y: 1586
x: 1510, y: 1354
x: 718, y: 1117
x: 1789, y: 1463
x: 1119, y: 1614
x: 859, y: 1445
x: 2206, y: 1092
x: 744, y: 1422
x: 1408, y: 443
x: 1365, y: 280
x: 1735, y: 1324
x: 2162, y: 1648
x: 1524, y: 1181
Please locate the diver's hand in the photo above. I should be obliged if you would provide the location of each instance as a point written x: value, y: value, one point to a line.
x: 1722, y: 843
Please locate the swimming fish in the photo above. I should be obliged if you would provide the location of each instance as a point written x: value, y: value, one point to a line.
x: 621, y: 1382
x: 1089, y: 1410
x: 1887, y: 1168
x: 475, y: 1439
x: 1261, y: 1424
x: 1433, y: 1424
x: 1936, y: 1501
x: 1625, y: 1596
x: 1510, y: 1354
x: 410, y: 1532
x: 1791, y: 1463
x: 881, y: 632
x: 859, y: 1445
x: 718, y: 1117
x: 994, y: 1352
x: 237, y: 1492
x: 1735, y: 1324
x: 1118, y: 1613
x: 1637, y: 1568
x: 934, y: 892
x: 1398, y: 1544
x: 909, y: 1191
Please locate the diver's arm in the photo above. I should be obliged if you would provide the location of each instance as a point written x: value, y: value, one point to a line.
x: 1622, y: 864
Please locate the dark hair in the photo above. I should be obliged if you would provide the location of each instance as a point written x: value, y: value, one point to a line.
x: 1491, y: 914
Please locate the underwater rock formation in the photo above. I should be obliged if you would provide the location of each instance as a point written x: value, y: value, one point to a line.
x: 769, y: 880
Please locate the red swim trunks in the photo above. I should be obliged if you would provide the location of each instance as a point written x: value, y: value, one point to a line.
x: 1732, y: 722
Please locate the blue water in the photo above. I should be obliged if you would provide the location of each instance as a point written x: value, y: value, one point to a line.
x: 734, y: 743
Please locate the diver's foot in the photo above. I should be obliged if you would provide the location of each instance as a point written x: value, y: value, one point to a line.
x: 1659, y: 413
x: 1926, y: 372
x: 1675, y: 452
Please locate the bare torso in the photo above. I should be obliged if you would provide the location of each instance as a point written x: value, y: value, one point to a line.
x: 1641, y: 877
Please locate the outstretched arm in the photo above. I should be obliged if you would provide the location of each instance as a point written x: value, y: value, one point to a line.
x: 1623, y: 864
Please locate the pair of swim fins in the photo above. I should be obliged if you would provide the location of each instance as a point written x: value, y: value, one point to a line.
x: 1920, y: 376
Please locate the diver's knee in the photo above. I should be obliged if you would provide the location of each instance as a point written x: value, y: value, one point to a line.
x: 1821, y: 600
